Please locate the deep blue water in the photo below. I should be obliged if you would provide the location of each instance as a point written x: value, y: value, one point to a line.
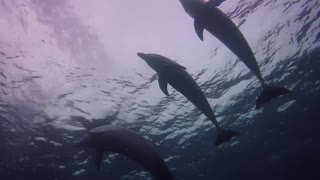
x: 279, y: 142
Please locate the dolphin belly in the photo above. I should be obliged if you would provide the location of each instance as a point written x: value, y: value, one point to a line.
x: 223, y: 28
x: 135, y: 147
x: 130, y: 144
x: 183, y: 82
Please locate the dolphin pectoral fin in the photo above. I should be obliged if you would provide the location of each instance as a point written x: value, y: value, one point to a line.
x: 225, y: 135
x: 199, y: 27
x: 99, y: 154
x: 269, y: 93
x: 163, y: 85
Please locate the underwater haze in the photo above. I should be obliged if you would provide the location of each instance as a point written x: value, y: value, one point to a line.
x: 69, y: 66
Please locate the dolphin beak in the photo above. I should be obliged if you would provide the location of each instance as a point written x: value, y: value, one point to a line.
x: 141, y: 55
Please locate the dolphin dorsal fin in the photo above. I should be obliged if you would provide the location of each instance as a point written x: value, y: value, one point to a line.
x: 163, y: 84
x: 199, y: 27
x: 99, y: 154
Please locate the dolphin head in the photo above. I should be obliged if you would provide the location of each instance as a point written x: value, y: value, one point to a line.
x: 192, y: 7
x: 142, y: 55
x: 155, y: 61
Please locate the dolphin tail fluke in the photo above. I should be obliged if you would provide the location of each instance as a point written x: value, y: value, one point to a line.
x: 224, y: 136
x: 268, y: 93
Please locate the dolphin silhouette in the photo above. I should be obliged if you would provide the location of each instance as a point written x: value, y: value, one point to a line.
x: 207, y: 16
x: 170, y: 72
x: 125, y: 142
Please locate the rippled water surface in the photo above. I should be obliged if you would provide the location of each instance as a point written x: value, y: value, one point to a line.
x: 67, y: 66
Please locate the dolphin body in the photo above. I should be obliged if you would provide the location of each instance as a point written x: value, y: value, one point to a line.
x: 207, y: 16
x: 170, y: 72
x: 123, y: 141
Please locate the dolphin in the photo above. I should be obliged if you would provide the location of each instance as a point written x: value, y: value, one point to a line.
x: 116, y: 139
x: 207, y: 16
x: 170, y: 72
